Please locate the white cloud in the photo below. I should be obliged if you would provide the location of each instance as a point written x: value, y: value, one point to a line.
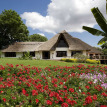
x: 68, y: 15
x: 41, y: 34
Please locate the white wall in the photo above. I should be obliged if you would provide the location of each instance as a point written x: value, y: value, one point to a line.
x: 84, y: 53
x: 53, y: 53
x: 19, y: 54
x: 2, y: 55
x: 38, y: 55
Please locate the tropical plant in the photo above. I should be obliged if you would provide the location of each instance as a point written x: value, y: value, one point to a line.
x: 104, y: 48
x: 102, y: 22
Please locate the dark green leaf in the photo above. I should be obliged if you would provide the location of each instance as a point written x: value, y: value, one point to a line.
x: 94, y: 31
x: 100, y: 19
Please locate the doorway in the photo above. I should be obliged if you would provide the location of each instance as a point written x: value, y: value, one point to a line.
x: 46, y: 55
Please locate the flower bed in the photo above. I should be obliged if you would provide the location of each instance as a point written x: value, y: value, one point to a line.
x: 75, y: 86
x: 90, y: 61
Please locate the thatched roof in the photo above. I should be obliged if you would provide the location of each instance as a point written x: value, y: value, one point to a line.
x: 94, y: 50
x: 73, y: 43
x: 22, y: 47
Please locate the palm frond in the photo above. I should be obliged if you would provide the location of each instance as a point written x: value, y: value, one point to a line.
x: 94, y: 31
x: 106, y: 6
x: 102, y: 41
x: 100, y: 19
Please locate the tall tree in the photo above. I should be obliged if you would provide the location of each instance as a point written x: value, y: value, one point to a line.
x: 102, y: 22
x: 12, y: 28
x: 37, y: 37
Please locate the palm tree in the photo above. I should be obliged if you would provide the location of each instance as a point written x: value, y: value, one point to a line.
x: 102, y: 22
x: 106, y: 6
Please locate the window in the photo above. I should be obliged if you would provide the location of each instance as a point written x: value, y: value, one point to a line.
x: 10, y: 54
x: 75, y: 52
x: 62, y: 43
x: 61, y: 53
x: 32, y: 54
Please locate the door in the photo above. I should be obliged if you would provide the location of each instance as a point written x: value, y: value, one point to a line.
x: 46, y: 55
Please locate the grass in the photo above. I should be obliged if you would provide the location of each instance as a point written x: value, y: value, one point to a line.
x: 37, y: 63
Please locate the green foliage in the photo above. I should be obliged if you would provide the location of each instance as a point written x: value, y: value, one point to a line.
x: 104, y: 48
x: 12, y: 28
x: 26, y: 56
x: 102, y: 22
x: 37, y: 37
x: 81, y: 60
x: 104, y: 51
x: 80, y: 57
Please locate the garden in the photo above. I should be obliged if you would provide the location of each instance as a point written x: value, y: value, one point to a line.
x: 53, y: 86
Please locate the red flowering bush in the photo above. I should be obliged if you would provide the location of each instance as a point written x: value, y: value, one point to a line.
x: 52, y: 86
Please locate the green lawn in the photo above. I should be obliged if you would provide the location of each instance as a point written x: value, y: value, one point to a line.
x: 37, y: 63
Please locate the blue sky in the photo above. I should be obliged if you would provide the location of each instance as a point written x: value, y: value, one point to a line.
x: 52, y: 16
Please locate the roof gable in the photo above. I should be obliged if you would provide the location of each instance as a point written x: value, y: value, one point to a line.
x: 61, y: 42
x: 73, y: 43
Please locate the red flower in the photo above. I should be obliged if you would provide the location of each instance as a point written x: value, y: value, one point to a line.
x: 87, y: 87
x: 71, y: 89
x: 64, y: 105
x: 23, y: 91
x: 49, y: 102
x: 37, y: 101
x: 4, y: 99
x: 104, y: 94
x: 1, y: 91
x: 68, y: 100
x: 34, y: 92
x: 73, y: 102
x: 65, y: 87
x: 51, y: 94
x: 103, y: 106
x: 90, y: 82
x: 88, y: 100
x: 60, y: 99
x: 83, y: 93
x: 55, y: 85
x: 88, y: 93
x: 46, y: 87
x: 94, y: 97
x: 61, y: 83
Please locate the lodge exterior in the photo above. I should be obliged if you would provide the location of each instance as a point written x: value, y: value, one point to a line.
x: 62, y: 45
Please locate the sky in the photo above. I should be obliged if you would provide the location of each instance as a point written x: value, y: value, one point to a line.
x: 48, y: 17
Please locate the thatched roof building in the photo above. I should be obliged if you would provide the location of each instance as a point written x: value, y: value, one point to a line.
x: 73, y: 43
x: 62, y: 44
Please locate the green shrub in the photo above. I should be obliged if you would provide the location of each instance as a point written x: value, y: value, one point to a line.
x: 80, y: 58
x: 69, y: 60
x: 26, y: 56
x: 90, y: 61
x: 93, y: 61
